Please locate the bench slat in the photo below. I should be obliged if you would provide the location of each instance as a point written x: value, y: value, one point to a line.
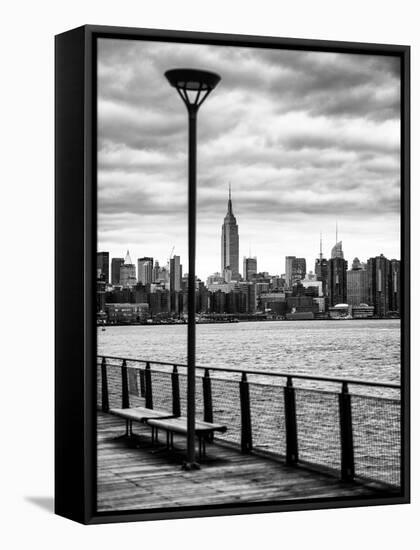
x: 179, y: 425
x: 140, y: 414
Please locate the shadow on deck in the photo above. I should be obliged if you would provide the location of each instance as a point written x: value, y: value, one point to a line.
x: 150, y: 477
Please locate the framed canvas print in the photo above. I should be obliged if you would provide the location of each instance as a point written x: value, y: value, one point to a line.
x: 232, y: 274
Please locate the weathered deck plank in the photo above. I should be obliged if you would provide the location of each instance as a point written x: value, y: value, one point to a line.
x: 150, y: 477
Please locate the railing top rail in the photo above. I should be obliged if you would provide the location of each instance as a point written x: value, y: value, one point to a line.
x: 335, y: 380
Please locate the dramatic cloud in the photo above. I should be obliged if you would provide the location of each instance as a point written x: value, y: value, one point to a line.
x: 305, y: 138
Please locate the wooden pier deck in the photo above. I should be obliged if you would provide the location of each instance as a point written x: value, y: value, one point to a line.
x: 151, y: 477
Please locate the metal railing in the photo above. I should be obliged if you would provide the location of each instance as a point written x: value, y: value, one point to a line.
x: 350, y: 427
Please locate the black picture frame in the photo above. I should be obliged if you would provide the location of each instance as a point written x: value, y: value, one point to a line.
x: 75, y: 252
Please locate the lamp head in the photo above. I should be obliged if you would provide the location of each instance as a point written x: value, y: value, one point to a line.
x: 192, y: 85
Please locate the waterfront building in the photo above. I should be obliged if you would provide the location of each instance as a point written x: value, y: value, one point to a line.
x: 363, y: 311
x: 395, y: 286
x: 217, y: 301
x: 298, y: 270
x: 248, y: 290
x: 128, y: 272
x: 339, y: 311
x: 357, y: 284
x: 320, y: 302
x: 126, y: 313
x: 141, y: 293
x: 289, y: 269
x: 175, y: 274
x: 250, y: 268
x: 230, y: 242
x: 116, y: 264
x: 160, y: 303
x: 337, y: 280
x: 145, y: 270
x: 236, y: 302
x: 202, y: 298
x: 176, y: 303
x: 102, y: 266
x: 100, y: 295
x: 273, y: 301
x: 300, y: 303
x: 379, y: 284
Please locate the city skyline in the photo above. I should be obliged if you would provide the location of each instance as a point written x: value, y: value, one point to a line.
x: 338, y: 244
x: 306, y: 144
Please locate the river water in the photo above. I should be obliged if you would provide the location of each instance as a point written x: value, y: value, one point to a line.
x: 367, y: 349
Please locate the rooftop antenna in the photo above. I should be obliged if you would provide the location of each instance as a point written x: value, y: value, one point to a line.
x: 336, y: 232
x: 320, y: 246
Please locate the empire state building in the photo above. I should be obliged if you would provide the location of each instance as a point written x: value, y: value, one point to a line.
x: 230, y: 242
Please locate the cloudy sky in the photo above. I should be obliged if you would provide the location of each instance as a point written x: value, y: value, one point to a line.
x: 306, y: 139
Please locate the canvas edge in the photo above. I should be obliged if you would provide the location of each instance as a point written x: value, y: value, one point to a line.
x: 76, y: 495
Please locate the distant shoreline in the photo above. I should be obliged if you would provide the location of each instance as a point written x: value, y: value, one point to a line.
x: 107, y: 325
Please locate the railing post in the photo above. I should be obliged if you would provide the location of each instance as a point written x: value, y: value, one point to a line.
x: 104, y: 386
x: 246, y: 430
x: 346, y: 429
x: 207, y: 398
x: 292, y: 455
x: 176, y: 403
x: 124, y: 385
x: 142, y: 383
x: 149, y: 392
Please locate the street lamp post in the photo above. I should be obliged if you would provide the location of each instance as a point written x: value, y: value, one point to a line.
x: 193, y: 86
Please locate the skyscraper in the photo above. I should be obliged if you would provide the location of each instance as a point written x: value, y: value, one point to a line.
x: 175, y: 274
x: 379, y: 284
x: 250, y: 268
x: 289, y: 268
x: 321, y: 269
x: 116, y: 264
x: 357, y: 284
x: 337, y: 276
x: 230, y: 242
x: 128, y: 272
x: 395, y: 290
x: 102, y: 266
x: 298, y: 270
x: 145, y: 270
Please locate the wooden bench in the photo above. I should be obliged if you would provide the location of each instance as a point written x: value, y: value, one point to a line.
x: 138, y: 414
x: 178, y: 425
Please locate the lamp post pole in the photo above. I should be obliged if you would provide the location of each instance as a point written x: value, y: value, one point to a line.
x: 192, y: 224
x: 193, y: 86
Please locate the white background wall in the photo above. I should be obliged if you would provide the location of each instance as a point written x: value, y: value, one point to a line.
x: 26, y: 353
